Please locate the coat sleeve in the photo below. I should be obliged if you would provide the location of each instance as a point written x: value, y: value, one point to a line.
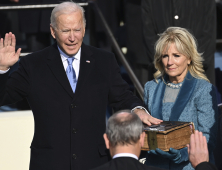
x: 120, y: 97
x: 205, y: 166
x: 207, y: 114
x: 16, y: 86
x: 146, y: 97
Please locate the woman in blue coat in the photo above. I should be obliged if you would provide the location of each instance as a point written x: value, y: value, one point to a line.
x: 180, y: 92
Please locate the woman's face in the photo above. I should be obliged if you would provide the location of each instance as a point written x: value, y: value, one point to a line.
x: 175, y: 64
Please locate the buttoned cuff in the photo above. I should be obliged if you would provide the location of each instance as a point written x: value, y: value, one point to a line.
x: 3, y: 72
x: 140, y: 107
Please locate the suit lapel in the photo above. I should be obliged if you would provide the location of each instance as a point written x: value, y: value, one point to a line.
x: 158, y: 100
x: 87, y: 63
x: 183, y: 97
x: 55, y: 64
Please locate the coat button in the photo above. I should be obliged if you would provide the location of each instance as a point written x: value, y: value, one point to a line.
x: 74, y: 156
x: 72, y: 106
x: 74, y: 130
x: 176, y: 17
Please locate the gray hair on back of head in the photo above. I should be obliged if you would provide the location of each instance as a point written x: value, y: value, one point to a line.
x: 66, y: 8
x: 124, y: 130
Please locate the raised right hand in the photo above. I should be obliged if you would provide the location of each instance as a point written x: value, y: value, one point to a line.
x: 8, y: 56
x: 197, y: 149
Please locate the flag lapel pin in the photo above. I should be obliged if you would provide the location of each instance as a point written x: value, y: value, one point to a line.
x: 87, y: 61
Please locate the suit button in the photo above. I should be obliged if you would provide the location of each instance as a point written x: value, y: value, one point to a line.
x: 72, y: 106
x: 74, y: 130
x: 74, y: 156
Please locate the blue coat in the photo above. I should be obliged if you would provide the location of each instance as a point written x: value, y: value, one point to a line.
x: 200, y: 107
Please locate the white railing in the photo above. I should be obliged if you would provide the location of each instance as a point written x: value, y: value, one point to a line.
x: 17, y: 7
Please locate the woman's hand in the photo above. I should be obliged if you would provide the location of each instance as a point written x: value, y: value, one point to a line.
x: 174, y: 155
x: 147, y: 118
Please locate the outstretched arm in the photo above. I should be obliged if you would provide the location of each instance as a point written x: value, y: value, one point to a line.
x: 8, y: 55
x: 147, y: 118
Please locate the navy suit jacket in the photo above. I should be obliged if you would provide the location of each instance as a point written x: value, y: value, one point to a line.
x: 68, y: 126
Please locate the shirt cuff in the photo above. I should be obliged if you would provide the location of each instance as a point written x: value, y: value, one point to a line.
x: 140, y: 107
x: 3, y: 72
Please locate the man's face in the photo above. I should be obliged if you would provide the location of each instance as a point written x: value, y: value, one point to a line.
x: 69, y: 32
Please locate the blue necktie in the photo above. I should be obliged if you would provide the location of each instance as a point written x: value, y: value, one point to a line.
x: 71, y: 74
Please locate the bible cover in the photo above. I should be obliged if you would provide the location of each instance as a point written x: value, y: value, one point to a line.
x: 168, y: 134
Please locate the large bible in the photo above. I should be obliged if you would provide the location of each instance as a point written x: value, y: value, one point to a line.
x: 168, y: 134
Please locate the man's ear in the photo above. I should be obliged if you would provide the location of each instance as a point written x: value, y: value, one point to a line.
x: 142, y: 136
x: 84, y: 29
x: 106, y: 140
x: 52, y: 31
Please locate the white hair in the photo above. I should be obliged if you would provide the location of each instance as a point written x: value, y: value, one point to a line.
x: 66, y: 8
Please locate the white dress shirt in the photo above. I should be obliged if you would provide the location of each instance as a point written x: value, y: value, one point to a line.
x: 125, y: 155
x: 75, y: 64
x: 3, y: 72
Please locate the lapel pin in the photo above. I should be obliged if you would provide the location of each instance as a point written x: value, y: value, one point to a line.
x: 87, y: 61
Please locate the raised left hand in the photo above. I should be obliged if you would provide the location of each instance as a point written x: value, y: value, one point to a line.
x: 147, y: 118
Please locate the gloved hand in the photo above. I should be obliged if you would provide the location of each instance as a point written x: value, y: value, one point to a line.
x: 177, y: 156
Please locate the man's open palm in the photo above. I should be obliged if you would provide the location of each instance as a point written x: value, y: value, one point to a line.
x: 8, y: 56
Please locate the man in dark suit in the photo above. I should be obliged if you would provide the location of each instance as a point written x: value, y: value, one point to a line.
x: 124, y: 138
x: 198, y: 152
x: 68, y: 98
